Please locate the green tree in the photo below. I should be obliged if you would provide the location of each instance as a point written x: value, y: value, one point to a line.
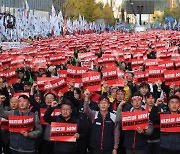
x: 158, y: 16
x: 108, y: 15
x: 87, y: 8
x: 174, y: 12
x: 99, y: 11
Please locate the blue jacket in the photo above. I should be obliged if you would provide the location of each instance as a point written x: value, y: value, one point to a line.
x: 134, y: 140
x: 102, y: 132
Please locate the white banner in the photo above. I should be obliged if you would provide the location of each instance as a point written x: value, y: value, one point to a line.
x: 10, y: 45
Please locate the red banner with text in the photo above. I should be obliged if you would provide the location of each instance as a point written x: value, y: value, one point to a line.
x: 133, y: 120
x: 63, y: 132
x: 170, y: 123
x: 18, y: 124
x: 110, y: 75
x: 75, y: 73
x: 57, y: 85
x: 172, y: 77
x: 92, y: 81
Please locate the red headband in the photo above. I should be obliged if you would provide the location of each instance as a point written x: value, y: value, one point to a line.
x: 104, y: 99
x: 136, y: 98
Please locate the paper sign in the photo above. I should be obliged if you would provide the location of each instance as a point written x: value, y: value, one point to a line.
x: 63, y: 132
x: 170, y: 122
x: 18, y: 124
x: 133, y: 120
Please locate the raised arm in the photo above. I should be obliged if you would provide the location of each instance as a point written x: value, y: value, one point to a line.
x: 47, y: 116
x: 90, y: 113
x: 119, y: 111
x: 4, y: 114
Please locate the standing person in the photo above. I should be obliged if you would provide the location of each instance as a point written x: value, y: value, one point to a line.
x: 24, y: 142
x: 143, y: 89
x: 46, y: 146
x: 5, y: 133
x: 153, y: 146
x: 61, y: 147
x: 104, y: 137
x: 135, y: 141
x: 21, y: 73
x: 169, y: 141
x: 131, y: 82
x: 70, y: 93
x: 119, y: 97
x: 85, y: 121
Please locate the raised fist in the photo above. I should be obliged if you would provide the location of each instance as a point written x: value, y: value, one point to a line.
x: 54, y: 104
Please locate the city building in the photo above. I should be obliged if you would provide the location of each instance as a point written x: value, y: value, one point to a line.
x: 40, y: 7
x: 172, y: 3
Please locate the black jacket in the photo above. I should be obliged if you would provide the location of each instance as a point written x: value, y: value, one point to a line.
x: 63, y: 146
x: 170, y: 141
x: 102, y: 132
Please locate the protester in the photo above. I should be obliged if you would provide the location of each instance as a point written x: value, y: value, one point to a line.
x: 112, y: 65
x: 135, y: 141
x: 24, y: 142
x: 5, y: 133
x: 64, y: 117
x: 83, y: 143
x: 153, y: 139
x: 169, y: 141
x: 46, y: 145
x: 104, y: 136
x: 120, y: 96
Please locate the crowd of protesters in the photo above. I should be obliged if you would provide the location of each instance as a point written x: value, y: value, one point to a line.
x: 98, y: 113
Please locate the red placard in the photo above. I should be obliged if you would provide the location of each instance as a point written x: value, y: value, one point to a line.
x: 62, y: 73
x: 137, y: 62
x: 84, y: 55
x: 172, y: 76
x: 170, y: 123
x: 18, y: 124
x: 133, y: 120
x: 86, y: 63
x: 56, y: 112
x: 2, y: 75
x: 4, y: 124
x: 106, y: 60
x: 5, y: 60
x: 57, y: 85
x: 17, y: 60
x: 177, y: 64
x: 110, y: 75
x: 141, y: 77
x: 63, y: 132
x: 10, y: 76
x: 92, y: 81
x: 39, y: 61
x: 57, y: 59
x: 156, y: 73
x: 19, y: 94
x: 75, y: 73
x: 151, y: 62
x: 42, y: 80
x: 169, y: 65
x: 121, y: 74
